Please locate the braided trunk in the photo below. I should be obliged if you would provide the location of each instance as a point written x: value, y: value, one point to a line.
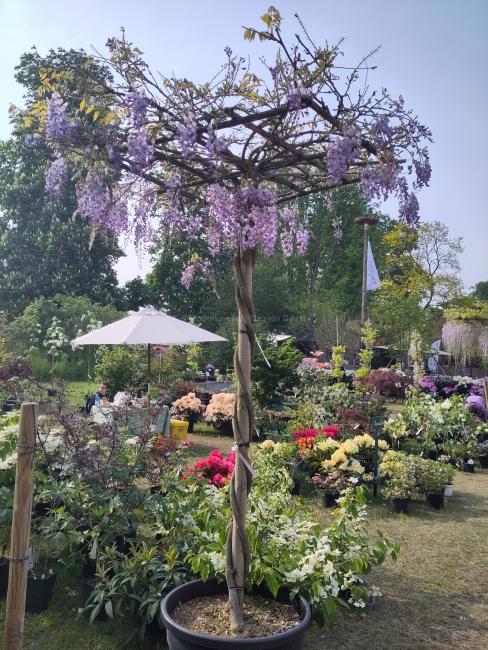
x: 237, y: 550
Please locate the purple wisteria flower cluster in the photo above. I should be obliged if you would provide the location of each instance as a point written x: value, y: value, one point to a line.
x: 57, y: 122
x: 138, y: 104
x: 202, y: 266
x: 187, y: 137
x: 57, y: 178
x: 140, y: 149
x: 342, y: 152
x: 296, y: 92
x: 97, y: 206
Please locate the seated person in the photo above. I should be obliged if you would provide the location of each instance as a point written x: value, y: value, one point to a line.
x: 98, y: 397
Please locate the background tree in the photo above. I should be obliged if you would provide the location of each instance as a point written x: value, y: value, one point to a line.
x: 72, y: 315
x: 44, y: 250
x: 480, y: 291
x: 438, y: 255
x: 396, y: 307
x: 136, y: 293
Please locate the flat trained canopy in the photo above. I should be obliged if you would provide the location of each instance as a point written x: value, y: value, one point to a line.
x: 147, y: 327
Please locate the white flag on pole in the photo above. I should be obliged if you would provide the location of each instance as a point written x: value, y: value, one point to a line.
x: 373, y: 279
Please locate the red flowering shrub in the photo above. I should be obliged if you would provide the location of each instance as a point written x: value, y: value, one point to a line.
x: 216, y: 469
x: 328, y: 432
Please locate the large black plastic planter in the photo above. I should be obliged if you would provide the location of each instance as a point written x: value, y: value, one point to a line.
x: 330, y: 500
x: 484, y: 461
x: 39, y: 593
x: 468, y: 467
x: 400, y: 504
x: 436, y: 501
x: 181, y: 638
x: 4, y: 568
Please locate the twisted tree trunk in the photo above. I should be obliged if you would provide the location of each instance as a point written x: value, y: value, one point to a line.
x: 237, y: 550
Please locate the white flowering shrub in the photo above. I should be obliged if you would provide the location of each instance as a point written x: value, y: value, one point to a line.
x: 288, y: 547
x: 9, y: 425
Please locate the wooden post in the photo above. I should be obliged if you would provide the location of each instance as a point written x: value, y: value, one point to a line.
x: 20, y: 535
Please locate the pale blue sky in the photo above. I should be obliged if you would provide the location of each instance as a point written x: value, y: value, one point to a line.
x: 434, y: 52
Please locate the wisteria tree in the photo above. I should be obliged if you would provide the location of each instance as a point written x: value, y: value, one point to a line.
x: 222, y: 162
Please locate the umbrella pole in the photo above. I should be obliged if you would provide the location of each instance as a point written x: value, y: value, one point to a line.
x: 149, y: 370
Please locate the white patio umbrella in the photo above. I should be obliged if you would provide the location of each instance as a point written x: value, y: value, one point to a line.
x: 147, y: 327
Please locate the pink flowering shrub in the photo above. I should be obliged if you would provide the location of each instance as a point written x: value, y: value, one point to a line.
x: 328, y: 432
x: 215, y: 469
x: 220, y: 409
x: 187, y: 406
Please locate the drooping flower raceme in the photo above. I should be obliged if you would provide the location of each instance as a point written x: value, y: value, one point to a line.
x: 140, y: 149
x: 138, y: 103
x: 96, y: 205
x: 57, y: 178
x: 57, y: 123
x: 342, y: 152
x: 187, y: 137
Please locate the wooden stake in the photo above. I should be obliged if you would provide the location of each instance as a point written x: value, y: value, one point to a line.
x: 20, y: 535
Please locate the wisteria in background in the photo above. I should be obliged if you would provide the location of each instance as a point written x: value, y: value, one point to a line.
x: 337, y: 229
x: 466, y: 340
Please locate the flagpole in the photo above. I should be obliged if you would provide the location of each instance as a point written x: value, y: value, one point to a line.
x: 366, y: 221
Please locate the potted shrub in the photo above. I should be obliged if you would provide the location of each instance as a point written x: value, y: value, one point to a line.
x: 188, y: 408
x: 468, y: 465
x: 399, y: 491
x: 220, y: 411
x: 41, y: 578
x: 483, y: 454
x: 331, y: 485
x: 433, y: 478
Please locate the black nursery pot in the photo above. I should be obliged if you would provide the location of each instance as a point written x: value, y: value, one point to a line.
x: 400, y: 505
x: 484, y: 461
x: 330, y: 500
x: 39, y: 593
x: 4, y: 568
x: 436, y: 501
x: 181, y: 638
x: 468, y: 467
x: 295, y: 490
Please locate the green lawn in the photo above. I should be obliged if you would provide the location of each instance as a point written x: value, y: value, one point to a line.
x: 435, y: 594
x: 77, y: 391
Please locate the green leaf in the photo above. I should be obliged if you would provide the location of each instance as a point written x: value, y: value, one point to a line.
x: 109, y: 609
x: 330, y: 606
x: 95, y: 612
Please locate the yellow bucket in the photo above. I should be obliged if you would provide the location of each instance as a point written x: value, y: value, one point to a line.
x: 179, y: 429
